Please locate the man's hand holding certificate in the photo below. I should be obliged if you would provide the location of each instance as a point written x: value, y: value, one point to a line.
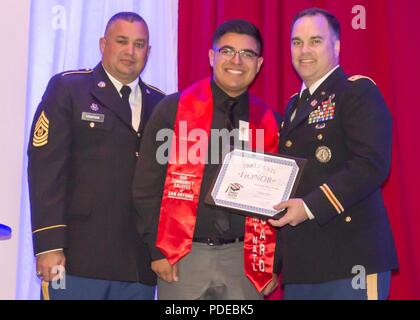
x: 295, y: 214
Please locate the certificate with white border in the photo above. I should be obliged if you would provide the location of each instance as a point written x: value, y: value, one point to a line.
x: 252, y: 183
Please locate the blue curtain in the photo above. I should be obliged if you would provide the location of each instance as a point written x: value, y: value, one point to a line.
x: 64, y: 35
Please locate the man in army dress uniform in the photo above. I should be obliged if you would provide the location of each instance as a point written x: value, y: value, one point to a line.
x: 335, y: 238
x: 82, y: 154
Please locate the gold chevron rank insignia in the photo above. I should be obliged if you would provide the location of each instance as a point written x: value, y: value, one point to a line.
x: 41, y: 131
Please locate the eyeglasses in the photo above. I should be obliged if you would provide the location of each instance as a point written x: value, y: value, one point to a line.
x: 229, y: 53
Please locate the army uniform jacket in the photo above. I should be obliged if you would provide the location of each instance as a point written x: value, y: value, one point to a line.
x: 344, y: 132
x: 82, y: 154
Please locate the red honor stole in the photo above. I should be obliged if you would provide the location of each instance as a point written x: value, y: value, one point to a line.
x: 181, y: 193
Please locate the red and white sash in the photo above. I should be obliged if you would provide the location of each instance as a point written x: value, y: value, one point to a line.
x: 178, y: 211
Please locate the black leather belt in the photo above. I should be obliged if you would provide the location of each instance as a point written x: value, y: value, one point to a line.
x: 217, y: 241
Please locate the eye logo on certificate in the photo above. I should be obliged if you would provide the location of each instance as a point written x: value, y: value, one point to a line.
x: 252, y: 183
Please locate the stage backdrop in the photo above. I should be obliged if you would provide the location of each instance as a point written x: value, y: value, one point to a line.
x: 14, y: 64
x: 380, y: 40
x: 64, y: 35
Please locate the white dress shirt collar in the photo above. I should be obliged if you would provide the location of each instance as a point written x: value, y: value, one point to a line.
x: 316, y: 85
x: 134, y: 86
x: 135, y: 99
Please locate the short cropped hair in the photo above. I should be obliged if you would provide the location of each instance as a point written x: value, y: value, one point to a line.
x: 241, y: 27
x: 126, y: 16
x: 331, y: 19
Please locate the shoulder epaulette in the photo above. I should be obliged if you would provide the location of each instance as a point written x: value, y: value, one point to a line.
x: 154, y: 88
x: 358, y: 77
x: 82, y: 71
x: 294, y: 95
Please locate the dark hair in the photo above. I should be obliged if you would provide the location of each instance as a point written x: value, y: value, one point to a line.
x: 126, y: 16
x: 241, y: 27
x: 331, y: 19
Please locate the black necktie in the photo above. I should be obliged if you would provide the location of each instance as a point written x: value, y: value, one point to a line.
x: 221, y: 220
x: 303, y: 98
x: 229, y: 106
x: 125, y: 92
